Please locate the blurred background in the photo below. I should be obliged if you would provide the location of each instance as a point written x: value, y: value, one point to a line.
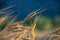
x: 48, y: 20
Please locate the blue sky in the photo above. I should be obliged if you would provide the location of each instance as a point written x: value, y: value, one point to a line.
x: 24, y: 7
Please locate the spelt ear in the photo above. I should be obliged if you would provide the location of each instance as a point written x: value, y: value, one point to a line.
x: 32, y: 14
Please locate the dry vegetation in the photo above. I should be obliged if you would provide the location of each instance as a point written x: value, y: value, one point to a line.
x: 16, y: 31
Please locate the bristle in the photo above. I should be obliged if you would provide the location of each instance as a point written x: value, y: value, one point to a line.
x: 7, y: 8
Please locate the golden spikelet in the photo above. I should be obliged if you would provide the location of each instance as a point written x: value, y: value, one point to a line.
x: 2, y: 20
x: 32, y: 14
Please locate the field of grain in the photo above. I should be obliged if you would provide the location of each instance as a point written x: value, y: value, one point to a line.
x: 33, y: 27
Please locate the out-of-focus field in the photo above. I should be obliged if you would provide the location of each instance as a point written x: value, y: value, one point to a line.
x: 47, y: 25
x: 46, y: 28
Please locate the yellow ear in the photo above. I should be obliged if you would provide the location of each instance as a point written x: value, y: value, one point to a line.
x: 34, y: 24
x: 2, y: 19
